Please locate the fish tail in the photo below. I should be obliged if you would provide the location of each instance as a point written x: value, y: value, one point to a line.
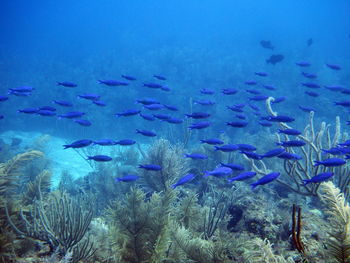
x: 174, y: 186
x: 58, y: 83
x: 66, y: 146
x: 317, y: 163
x: 306, y: 181
x: 253, y: 186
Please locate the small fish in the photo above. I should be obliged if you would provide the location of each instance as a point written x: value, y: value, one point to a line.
x: 29, y: 110
x: 204, y: 102
x: 312, y: 94
x: 150, y: 167
x: 303, y: 64
x: 333, y: 151
x: 147, y: 101
x: 100, y: 158
x: 90, y: 96
x: 127, y: 113
x: 229, y: 91
x: 234, y: 108
x: 220, y: 171
x: 82, y: 122
x: 67, y: 84
x: 346, y: 91
x: 237, y: 124
x: 289, y: 156
x: 331, y: 162
x: 290, y: 132
x: 127, y: 77
x: 147, y: 117
x: 237, y: 167
x: 170, y: 107
x: 212, y: 141
x: 333, y: 66
x: 309, y: 75
x: 307, y: 109
x: 252, y: 155
x: 265, y: 179
x: 259, y: 97
x: 99, y: 103
x: 183, y: 180
x: 3, y: 98
x: 345, y: 144
x: 104, y: 142
x: 269, y: 87
x: 273, y: 153
x: 162, y: 116
x: 265, y: 123
x: 278, y: 100
x: 47, y: 113
x: 63, y: 103
x: 78, y: 144
x: 165, y: 88
x: 227, y: 148
x: 311, y: 85
x: 152, y: 85
x: 344, y: 103
x: 113, y: 83
x: 242, y: 176
x: 146, y: 133
x: 199, y: 125
x: 334, y: 88
x: 246, y: 147
x: 125, y: 142
x: 241, y: 116
x: 266, y: 44
x: 72, y: 115
x: 207, y: 91
x: 250, y: 82
x: 49, y: 108
x: 261, y: 74
x: 196, y: 156
x: 159, y: 77
x: 291, y: 143
x: 318, y: 178
x: 274, y: 59
x: 154, y: 106
x: 253, y: 91
x: 128, y: 178
x: 280, y: 118
x: 173, y: 120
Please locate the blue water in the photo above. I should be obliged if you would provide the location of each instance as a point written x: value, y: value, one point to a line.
x: 195, y: 44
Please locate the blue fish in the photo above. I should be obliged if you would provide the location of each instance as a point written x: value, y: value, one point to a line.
x: 246, y: 147
x: 234, y: 108
x: 63, y: 103
x: 233, y: 166
x: 278, y: 100
x: 127, y: 77
x: 207, y: 91
x: 29, y: 110
x: 212, y: 141
x: 89, y: 96
x: 162, y: 116
x: 318, y: 178
x: 127, y: 113
x: 183, y: 180
x: 78, y: 144
x: 3, y: 98
x: 290, y: 132
x: 333, y: 151
x: 261, y: 74
x: 307, y: 109
x: 198, y: 115
x: 150, y: 167
x: 229, y: 91
x: 227, y: 148
x: 237, y: 124
x: 82, y: 122
x: 259, y: 97
x: 204, y: 102
x: 71, y: 115
x: 265, y: 179
x: 252, y: 155
x: 154, y: 106
x: 273, y: 153
x: 147, y: 101
x: 128, y: 178
x: 309, y: 75
x: 100, y: 158
x: 152, y: 85
x: 334, y: 88
x: 344, y: 103
x: 196, y: 156
x: 67, y: 84
x: 242, y: 176
x: 250, y: 82
x: 331, y: 162
x: 303, y: 64
x: 333, y: 66
x: 265, y: 123
x: 253, y: 91
x: 159, y: 77
x: 220, y: 171
x: 280, y: 118
x: 49, y: 108
x: 311, y: 85
x: 170, y: 107
x: 290, y: 156
x: 312, y: 94
x: 104, y: 142
x: 47, y: 113
x: 174, y: 120
x: 147, y: 117
x: 22, y: 89
x: 269, y: 87
x: 111, y: 82
x: 125, y: 142
x: 291, y: 143
x: 99, y: 103
x: 146, y: 133
x: 199, y: 125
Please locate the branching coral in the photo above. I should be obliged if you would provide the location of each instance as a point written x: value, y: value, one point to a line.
x: 170, y: 158
x: 312, y: 151
x: 338, y: 211
x: 42, y: 180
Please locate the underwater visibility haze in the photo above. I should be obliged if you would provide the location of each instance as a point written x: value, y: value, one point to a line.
x: 175, y: 131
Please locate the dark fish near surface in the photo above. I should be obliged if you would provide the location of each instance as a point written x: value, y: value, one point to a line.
x: 67, y: 84
x: 237, y: 124
x: 78, y: 144
x: 47, y: 113
x: 127, y: 113
x: 207, y: 91
x: 318, y: 178
x: 147, y: 101
x: 333, y: 66
x: 3, y: 98
x: 174, y: 120
x: 183, y: 180
x: 196, y: 156
x: 280, y: 118
x: 199, y: 125
x: 82, y: 122
x: 49, y: 108
x: 229, y: 91
x: 307, y: 109
x: 153, y: 106
x: 303, y: 64
x: 274, y: 59
x: 29, y: 110
x: 242, y: 176
x: 261, y: 74
x: 269, y: 87
x: 125, y: 142
x: 147, y: 117
x: 150, y: 167
x: 159, y: 77
x: 265, y: 180
x: 312, y: 94
x: 311, y: 85
x: 71, y: 115
x: 309, y: 75
x: 127, y: 178
x: 227, y: 148
x: 246, y: 147
x: 289, y: 131
x: 331, y: 162
x: 113, y: 83
x: 309, y: 42
x: 252, y: 155
x: 63, y: 103
x: 152, y: 85
x: 198, y: 115
x: 250, y: 82
x: 266, y: 44
x: 170, y: 107
x: 104, y: 142
x: 99, y: 103
x: 344, y: 103
x: 334, y: 88
x: 146, y: 133
x: 100, y: 158
x: 90, y: 96
x: 127, y: 77
x: 204, y: 102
